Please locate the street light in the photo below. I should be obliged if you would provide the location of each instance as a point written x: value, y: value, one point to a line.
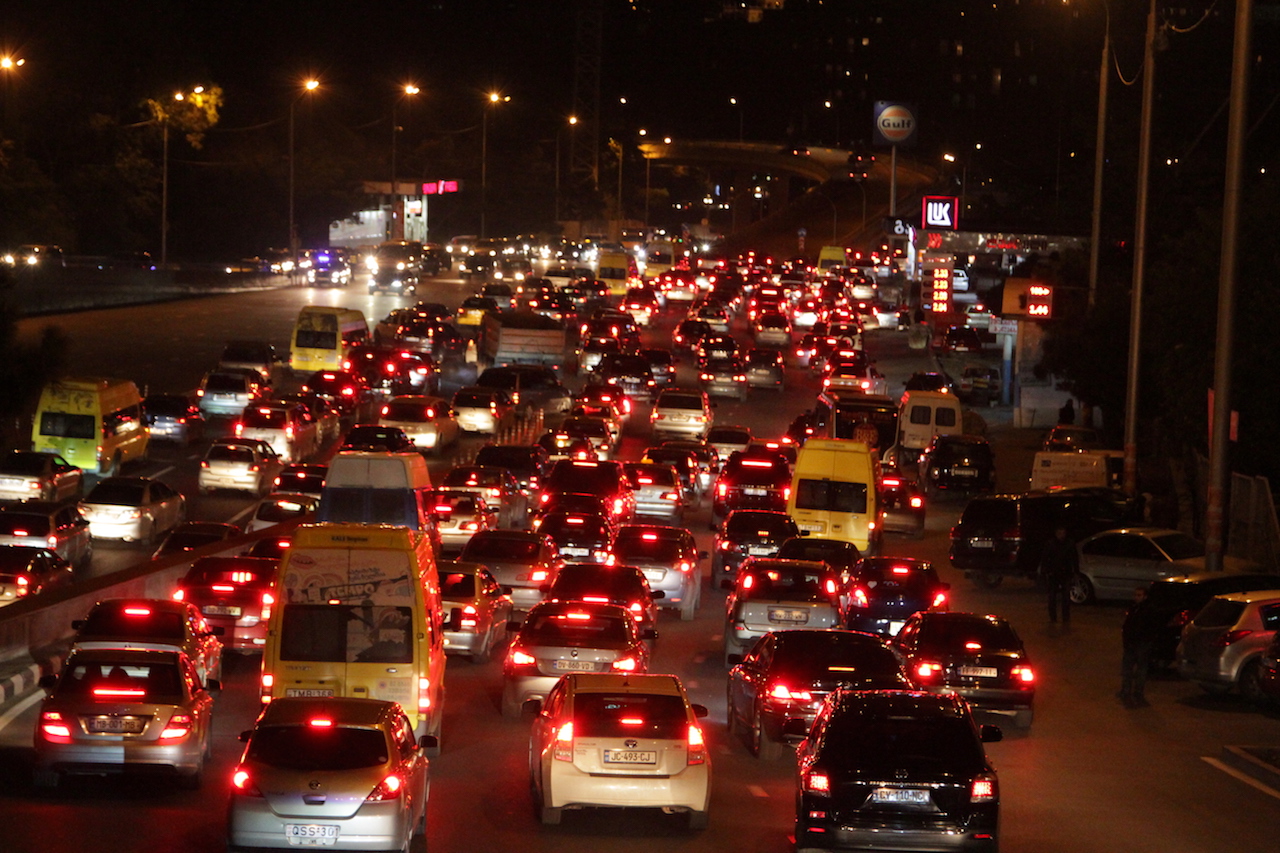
x: 573, y: 121
x: 8, y: 65
x: 493, y: 98
x: 733, y: 102
x: 407, y: 90
x: 307, y: 87
x: 164, y: 178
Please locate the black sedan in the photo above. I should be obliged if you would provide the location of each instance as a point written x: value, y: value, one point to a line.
x: 885, y: 591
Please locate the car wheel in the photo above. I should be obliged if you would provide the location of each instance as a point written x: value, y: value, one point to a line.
x: 698, y: 820
x: 761, y: 745
x: 987, y: 580
x: 1250, y: 683
x: 1081, y: 589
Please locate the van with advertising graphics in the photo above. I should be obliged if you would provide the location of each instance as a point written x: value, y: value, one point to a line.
x: 921, y: 416
x: 369, y: 487
x: 323, y: 335
x: 1056, y: 469
x: 834, y: 492
x: 358, y: 616
x: 94, y: 423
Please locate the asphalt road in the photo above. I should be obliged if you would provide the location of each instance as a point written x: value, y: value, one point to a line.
x: 1088, y: 776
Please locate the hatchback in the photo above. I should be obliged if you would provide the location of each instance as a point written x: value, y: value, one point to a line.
x: 904, y: 760
x: 347, y: 774
x: 962, y: 463
x: 607, y: 583
x: 286, y: 426
x: 59, y: 527
x: 560, y: 637
x: 27, y: 475
x: 225, y: 393
x: 578, y: 536
x: 459, y: 515
x: 622, y: 741
x: 521, y: 560
x: 116, y: 710
x: 670, y: 560
x: 657, y: 489
x: 884, y: 592
x: 152, y: 623
x: 243, y: 465
x: 303, y: 479
x: 133, y: 509
x: 779, y: 595
x: 1179, y: 598
x: 681, y: 412
x: 476, y: 610
x: 724, y: 377
x: 748, y: 533
x: 482, y: 409
x: 1222, y: 647
x: 27, y: 571
x: 234, y: 595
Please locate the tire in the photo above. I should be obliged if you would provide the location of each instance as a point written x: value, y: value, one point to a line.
x: 510, y: 704
x: 1022, y: 719
x: 1250, y: 683
x: 698, y: 820
x: 1081, y: 590
x: 689, y: 606
x: 762, y: 747
x: 987, y: 580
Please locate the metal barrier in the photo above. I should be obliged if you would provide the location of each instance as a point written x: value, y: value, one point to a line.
x: 1252, y: 528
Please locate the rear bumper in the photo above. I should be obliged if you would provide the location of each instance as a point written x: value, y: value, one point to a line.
x: 570, y: 787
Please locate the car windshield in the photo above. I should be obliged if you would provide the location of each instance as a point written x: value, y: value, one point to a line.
x: 561, y: 626
x: 1179, y: 546
x: 630, y: 715
x: 318, y: 747
x: 502, y: 548
x: 157, y: 683
x: 886, y: 743
x: 275, y: 510
x: 227, y: 453
x: 116, y: 493
x: 135, y: 622
x: 788, y: 585
x: 457, y: 584
x: 951, y: 633
x: 857, y: 660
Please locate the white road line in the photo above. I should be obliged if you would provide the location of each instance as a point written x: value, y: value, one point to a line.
x: 12, y: 714
x: 162, y: 472
x: 757, y: 791
x: 1243, y: 777
x: 242, y: 513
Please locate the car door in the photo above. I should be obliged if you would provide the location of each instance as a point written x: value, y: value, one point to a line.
x: 67, y: 479
x: 72, y: 528
x: 1116, y: 562
x: 747, y: 681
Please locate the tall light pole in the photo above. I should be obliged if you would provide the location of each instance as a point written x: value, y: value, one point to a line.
x: 1099, y: 157
x: 407, y: 90
x: 307, y: 86
x: 164, y: 181
x: 493, y: 98
x: 8, y: 66
x: 573, y: 120
x: 964, y: 177
x: 733, y: 102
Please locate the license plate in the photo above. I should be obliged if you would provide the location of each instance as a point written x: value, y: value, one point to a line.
x: 309, y: 692
x: 220, y: 610
x: 964, y: 472
x: 630, y: 756
x: 813, y: 527
x: 575, y: 552
x: 654, y: 574
x: 116, y: 725
x: 10, y: 481
x: 756, y: 551
x: 901, y: 796
x: 574, y: 666
x: 791, y: 617
x: 981, y: 543
x: 978, y: 671
x: 755, y: 493
x: 310, y: 834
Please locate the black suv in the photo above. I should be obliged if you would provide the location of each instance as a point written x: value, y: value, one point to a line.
x: 885, y: 591
x: 529, y: 463
x: 1000, y: 535
x: 898, y: 759
x: 631, y: 373
x: 957, y: 463
x: 749, y: 533
x: 751, y: 480
x: 530, y: 386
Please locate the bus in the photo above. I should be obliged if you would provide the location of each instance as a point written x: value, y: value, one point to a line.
x: 323, y: 335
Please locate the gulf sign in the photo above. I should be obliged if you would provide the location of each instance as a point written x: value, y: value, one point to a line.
x: 894, y: 123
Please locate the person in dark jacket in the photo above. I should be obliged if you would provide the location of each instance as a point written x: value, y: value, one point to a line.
x: 1139, y: 634
x: 1067, y: 414
x: 1058, y: 565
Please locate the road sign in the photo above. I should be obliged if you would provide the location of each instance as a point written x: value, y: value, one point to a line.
x: 894, y: 123
x: 1001, y: 326
x: 940, y: 213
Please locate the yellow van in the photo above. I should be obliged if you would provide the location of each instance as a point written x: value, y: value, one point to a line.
x: 323, y: 335
x: 618, y: 270
x: 95, y: 424
x: 833, y: 492
x: 359, y: 617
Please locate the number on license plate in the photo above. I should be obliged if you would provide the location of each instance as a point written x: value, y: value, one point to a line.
x: 755, y: 493
x: 309, y: 834
x: 789, y: 616
x: 981, y: 543
x: 116, y: 725
x: 574, y: 665
x: 630, y: 756
x: 979, y: 671
x: 309, y: 693
x: 964, y: 472
x: 909, y: 796
x: 221, y: 610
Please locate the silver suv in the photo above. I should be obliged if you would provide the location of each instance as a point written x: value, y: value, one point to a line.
x: 682, y: 412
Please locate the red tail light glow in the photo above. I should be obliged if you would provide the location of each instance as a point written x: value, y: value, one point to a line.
x: 928, y: 670
x: 179, y: 727
x: 817, y: 783
x: 54, y: 728
x: 1231, y: 637
x: 388, y: 789
x: 983, y: 790
x: 1023, y: 673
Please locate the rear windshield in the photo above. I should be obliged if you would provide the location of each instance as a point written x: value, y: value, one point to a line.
x: 680, y: 401
x: 832, y: 552
x: 877, y: 743
x: 589, y: 479
x: 105, y: 681
x: 19, y: 524
x: 630, y: 715
x: 168, y: 406
x: 366, y: 506
x: 514, y: 458
x: 225, y: 383
x: 264, y: 418
x: 789, y: 585
x: 62, y: 425
x: 472, y: 400
x: 281, y: 509
x: 567, y: 627
x: 948, y: 634
x: 907, y: 580
x: 222, y: 453
x: 318, y: 747
x: 120, y: 494
x: 408, y: 412
x: 1003, y: 513
x: 651, y: 475
x: 472, y: 477
x: 576, y: 527
x: 457, y: 584
x: 765, y: 525
x: 756, y: 472
x: 859, y: 661
x: 238, y: 573
x: 1219, y: 613
x: 576, y: 582
x: 723, y: 435
x: 363, y: 633
x: 635, y: 548
x: 1179, y: 546
x: 831, y: 496
x: 22, y: 463
x: 482, y: 548
x: 146, y: 624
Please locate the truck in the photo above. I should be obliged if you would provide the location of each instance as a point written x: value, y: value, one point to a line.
x: 523, y: 337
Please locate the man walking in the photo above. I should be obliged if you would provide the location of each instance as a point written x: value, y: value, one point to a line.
x: 1138, y: 635
x: 1058, y: 565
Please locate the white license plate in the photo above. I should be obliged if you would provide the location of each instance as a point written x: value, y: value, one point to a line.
x: 654, y: 574
x: 574, y: 666
x: 981, y: 543
x: 755, y: 493
x: 309, y: 692
x: 311, y: 834
x: 978, y: 671
x: 116, y: 725
x: 813, y: 527
x: 220, y: 610
x: 630, y: 756
x: 575, y: 552
x: 964, y: 472
x: 10, y: 481
x: 790, y: 617
x: 907, y: 796
x: 759, y: 552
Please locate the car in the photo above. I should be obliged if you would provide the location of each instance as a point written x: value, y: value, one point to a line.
x: 861, y: 379
x: 427, y: 421
x: 578, y: 536
x: 27, y: 571
x: 611, y: 583
x: 173, y: 417
x: 343, y: 390
x: 716, y: 345
x: 642, y: 303
x: 600, y: 431
x: 327, y: 418
x: 625, y: 740
x: 483, y: 409
x: 765, y: 369
x: 840, y: 554
x: 980, y: 386
x: 234, y: 594
x: 976, y: 656
x: 727, y: 439
x: 27, y: 475
x: 521, y: 560
x: 224, y: 392
x: 706, y: 460
x: 1065, y: 437
x: 1222, y: 647
x: 961, y: 339
x: 493, y: 484
x: 473, y: 309
x: 329, y: 268
x: 904, y: 759
x: 629, y: 372
x: 748, y: 533
x: 603, y: 401
x: 580, y: 502
x: 751, y: 479
x: 658, y: 491
x: 787, y: 674
x: 903, y: 506
x: 152, y: 623
x: 132, y: 509
x: 1177, y: 599
x: 117, y: 711
x: 476, y: 610
x: 689, y: 334
x: 885, y: 591
x: 307, y: 479
x: 246, y: 465
x: 957, y: 463
x: 929, y: 380
x: 724, y: 377
x: 531, y: 387
x: 1114, y: 562
x: 670, y: 560
x: 681, y: 412
x: 559, y: 637
x: 344, y: 771
x: 779, y: 595
x: 258, y: 356
x: 685, y: 464
x: 287, y: 426
x: 772, y: 330
x: 528, y: 463
x: 605, y: 479
x: 458, y: 516
x: 190, y: 535
x: 662, y: 366
x: 40, y: 524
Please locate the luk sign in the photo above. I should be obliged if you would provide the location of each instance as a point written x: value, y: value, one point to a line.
x: 894, y: 123
x: 940, y: 213
x: 440, y: 187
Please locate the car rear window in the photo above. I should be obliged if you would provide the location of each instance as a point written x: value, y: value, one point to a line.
x: 259, y: 417
x: 275, y: 510
x: 457, y: 584
x: 472, y: 477
x: 680, y: 401
x: 221, y: 453
x: 1219, y: 613
x: 226, y: 383
x: 746, y: 525
x: 630, y: 715
x: 514, y: 458
x: 590, y: 478
x: 858, y: 660
x: 408, y: 412
x: 569, y: 627
x: 834, y: 553
x: 472, y: 400
x: 651, y: 475
x: 576, y: 582
x: 1001, y: 513
x: 831, y: 496
x: 108, y: 681
x: 875, y: 743
x: 952, y: 634
x: 789, y: 585
x: 482, y: 548
x: 21, y: 524
x: 637, y: 549
x: 134, y: 622
x: 238, y: 574
x: 311, y: 748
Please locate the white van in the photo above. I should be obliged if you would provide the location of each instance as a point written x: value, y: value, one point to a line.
x: 921, y: 416
x: 1077, y: 469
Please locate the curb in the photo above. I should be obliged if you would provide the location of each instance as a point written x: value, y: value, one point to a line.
x: 18, y: 684
x: 1244, y: 759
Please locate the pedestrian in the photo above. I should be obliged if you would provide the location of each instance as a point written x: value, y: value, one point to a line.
x: 1138, y: 634
x: 1058, y: 567
x: 1067, y: 414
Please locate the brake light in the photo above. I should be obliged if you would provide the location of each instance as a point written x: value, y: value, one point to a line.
x: 1023, y: 673
x: 928, y: 670
x: 627, y: 664
x: 388, y: 789
x: 137, y: 611
x: 891, y: 481
x: 817, y: 782
x: 54, y: 728
x: 538, y: 576
x: 521, y: 658
x: 119, y: 692
x: 916, y: 502
x: 468, y: 617
x: 722, y: 489
x: 178, y: 594
x: 424, y: 695
x: 939, y: 599
x: 860, y: 597
x: 748, y: 581
x: 264, y: 691
x: 179, y: 727
x: 563, y: 747
x: 1233, y: 637
x: 219, y: 587
x: 697, y: 749
x: 782, y: 692
x: 242, y: 781
x: 983, y: 790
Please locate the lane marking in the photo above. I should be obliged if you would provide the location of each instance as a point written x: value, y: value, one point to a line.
x: 242, y: 513
x: 1243, y: 777
x: 12, y: 714
x: 163, y: 471
x: 757, y: 791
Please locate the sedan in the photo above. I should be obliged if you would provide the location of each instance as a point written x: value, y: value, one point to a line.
x: 476, y: 610
x: 59, y: 527
x: 173, y: 417
x: 779, y: 595
x: 1113, y: 563
x: 133, y: 509
x: 483, y: 409
x: 152, y: 623
x: 27, y: 571
x: 245, y: 465
x: 521, y: 560
x: 234, y: 595
x: 885, y: 591
x: 459, y: 515
x: 34, y: 475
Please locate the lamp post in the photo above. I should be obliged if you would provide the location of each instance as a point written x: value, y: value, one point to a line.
x: 307, y: 86
x: 1099, y: 158
x: 407, y: 90
x: 8, y: 65
x: 573, y: 121
x: 164, y: 181
x: 493, y: 98
x: 733, y: 102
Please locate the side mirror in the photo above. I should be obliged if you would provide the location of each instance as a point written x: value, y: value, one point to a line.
x: 544, y: 588
x: 990, y: 734
x: 734, y: 660
x: 795, y: 730
x: 429, y: 742
x: 699, y: 711
x: 531, y: 707
x: 213, y: 685
x: 48, y: 682
x: 455, y: 619
x: 805, y: 532
x: 245, y: 735
x: 657, y: 593
x: 649, y: 634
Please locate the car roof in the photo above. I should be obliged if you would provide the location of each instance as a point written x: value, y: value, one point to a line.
x: 1252, y: 596
x: 898, y: 702
x: 651, y: 683
x: 364, y: 713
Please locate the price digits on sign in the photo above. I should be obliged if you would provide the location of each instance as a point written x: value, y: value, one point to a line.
x: 940, y: 298
x: 1039, y: 300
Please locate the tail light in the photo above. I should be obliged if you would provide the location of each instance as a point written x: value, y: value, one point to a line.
x: 242, y: 782
x: 1013, y: 534
x: 1023, y: 674
x: 722, y: 489
x: 1231, y: 637
x: 54, y: 728
x: 563, y: 748
x: 939, y: 599
x: 468, y: 617
x: 860, y: 597
x: 670, y: 496
x: 686, y: 566
x: 928, y: 670
x: 539, y: 576
x: 178, y: 594
x: 264, y: 691
x: 916, y: 502
x: 783, y: 693
x: 204, y: 463
x: 627, y: 664
x: 424, y: 695
x: 816, y: 782
x: 388, y: 789
x: 697, y: 751
x: 983, y: 790
x: 179, y: 727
